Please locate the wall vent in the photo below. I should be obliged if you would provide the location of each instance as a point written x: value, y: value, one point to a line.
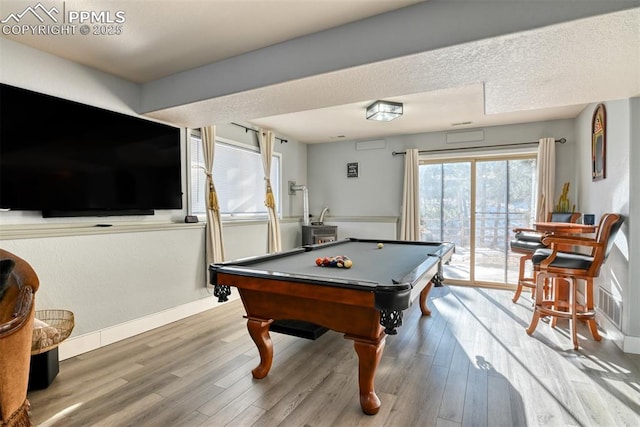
x: 610, y: 306
x: 468, y: 136
x: 376, y: 144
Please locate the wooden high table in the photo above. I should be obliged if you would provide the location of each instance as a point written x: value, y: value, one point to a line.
x: 564, y: 228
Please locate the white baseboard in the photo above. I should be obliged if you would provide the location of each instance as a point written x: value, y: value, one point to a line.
x: 626, y: 343
x: 631, y: 345
x: 94, y: 340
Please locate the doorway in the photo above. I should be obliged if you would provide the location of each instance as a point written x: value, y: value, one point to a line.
x: 476, y: 202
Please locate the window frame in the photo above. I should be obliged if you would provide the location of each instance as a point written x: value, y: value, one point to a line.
x: 231, y: 217
x: 474, y: 158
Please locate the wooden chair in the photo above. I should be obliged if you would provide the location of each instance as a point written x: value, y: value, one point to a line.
x: 16, y: 326
x: 572, y: 267
x: 527, y: 241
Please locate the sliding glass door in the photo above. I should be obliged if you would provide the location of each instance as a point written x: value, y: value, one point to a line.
x: 476, y: 203
x: 445, y: 211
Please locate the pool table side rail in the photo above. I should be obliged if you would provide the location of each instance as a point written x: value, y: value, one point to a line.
x: 260, y: 258
x: 416, y: 278
x: 443, y: 256
x: 395, y: 242
x: 288, y: 288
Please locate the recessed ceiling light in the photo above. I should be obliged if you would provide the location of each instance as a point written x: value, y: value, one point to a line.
x: 461, y: 123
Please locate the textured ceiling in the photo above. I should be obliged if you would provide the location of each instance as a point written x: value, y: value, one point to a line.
x: 163, y: 37
x: 550, y: 72
x: 543, y: 74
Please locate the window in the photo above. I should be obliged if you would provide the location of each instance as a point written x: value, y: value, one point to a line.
x: 475, y: 203
x: 239, y: 179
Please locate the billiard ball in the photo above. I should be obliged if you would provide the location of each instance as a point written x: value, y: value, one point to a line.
x: 348, y: 263
x: 319, y: 261
x: 380, y: 246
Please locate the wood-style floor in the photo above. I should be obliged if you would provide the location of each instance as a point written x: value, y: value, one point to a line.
x: 470, y: 363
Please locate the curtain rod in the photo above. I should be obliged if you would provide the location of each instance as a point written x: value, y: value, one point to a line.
x: 397, y: 153
x: 246, y: 129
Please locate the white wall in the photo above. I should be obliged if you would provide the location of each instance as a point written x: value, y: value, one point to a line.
x: 632, y: 299
x: 114, y: 277
x: 619, y: 276
x: 38, y: 71
x: 366, y: 228
x: 245, y: 239
x: 377, y: 192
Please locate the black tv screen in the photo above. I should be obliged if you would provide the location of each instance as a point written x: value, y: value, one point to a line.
x: 69, y: 159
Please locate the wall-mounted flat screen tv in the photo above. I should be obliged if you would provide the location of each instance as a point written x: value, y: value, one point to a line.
x: 65, y: 158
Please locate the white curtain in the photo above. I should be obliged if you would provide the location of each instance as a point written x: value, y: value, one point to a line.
x: 546, y: 178
x: 266, y: 140
x: 410, y: 223
x: 214, y: 240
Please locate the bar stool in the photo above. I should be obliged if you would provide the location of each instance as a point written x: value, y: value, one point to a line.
x: 550, y: 263
x: 526, y: 241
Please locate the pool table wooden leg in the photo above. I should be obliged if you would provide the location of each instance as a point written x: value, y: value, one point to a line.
x: 259, y: 331
x: 423, y: 299
x: 369, y: 355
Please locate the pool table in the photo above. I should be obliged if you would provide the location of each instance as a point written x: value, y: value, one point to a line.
x: 365, y: 302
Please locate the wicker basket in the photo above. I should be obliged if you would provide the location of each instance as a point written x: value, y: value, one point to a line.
x: 60, y: 324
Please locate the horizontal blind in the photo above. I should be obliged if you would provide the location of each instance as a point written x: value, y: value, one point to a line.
x: 238, y: 177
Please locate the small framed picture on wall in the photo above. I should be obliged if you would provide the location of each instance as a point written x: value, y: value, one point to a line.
x: 599, y: 144
x: 352, y: 170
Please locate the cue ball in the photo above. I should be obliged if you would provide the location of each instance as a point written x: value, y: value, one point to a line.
x: 380, y: 246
